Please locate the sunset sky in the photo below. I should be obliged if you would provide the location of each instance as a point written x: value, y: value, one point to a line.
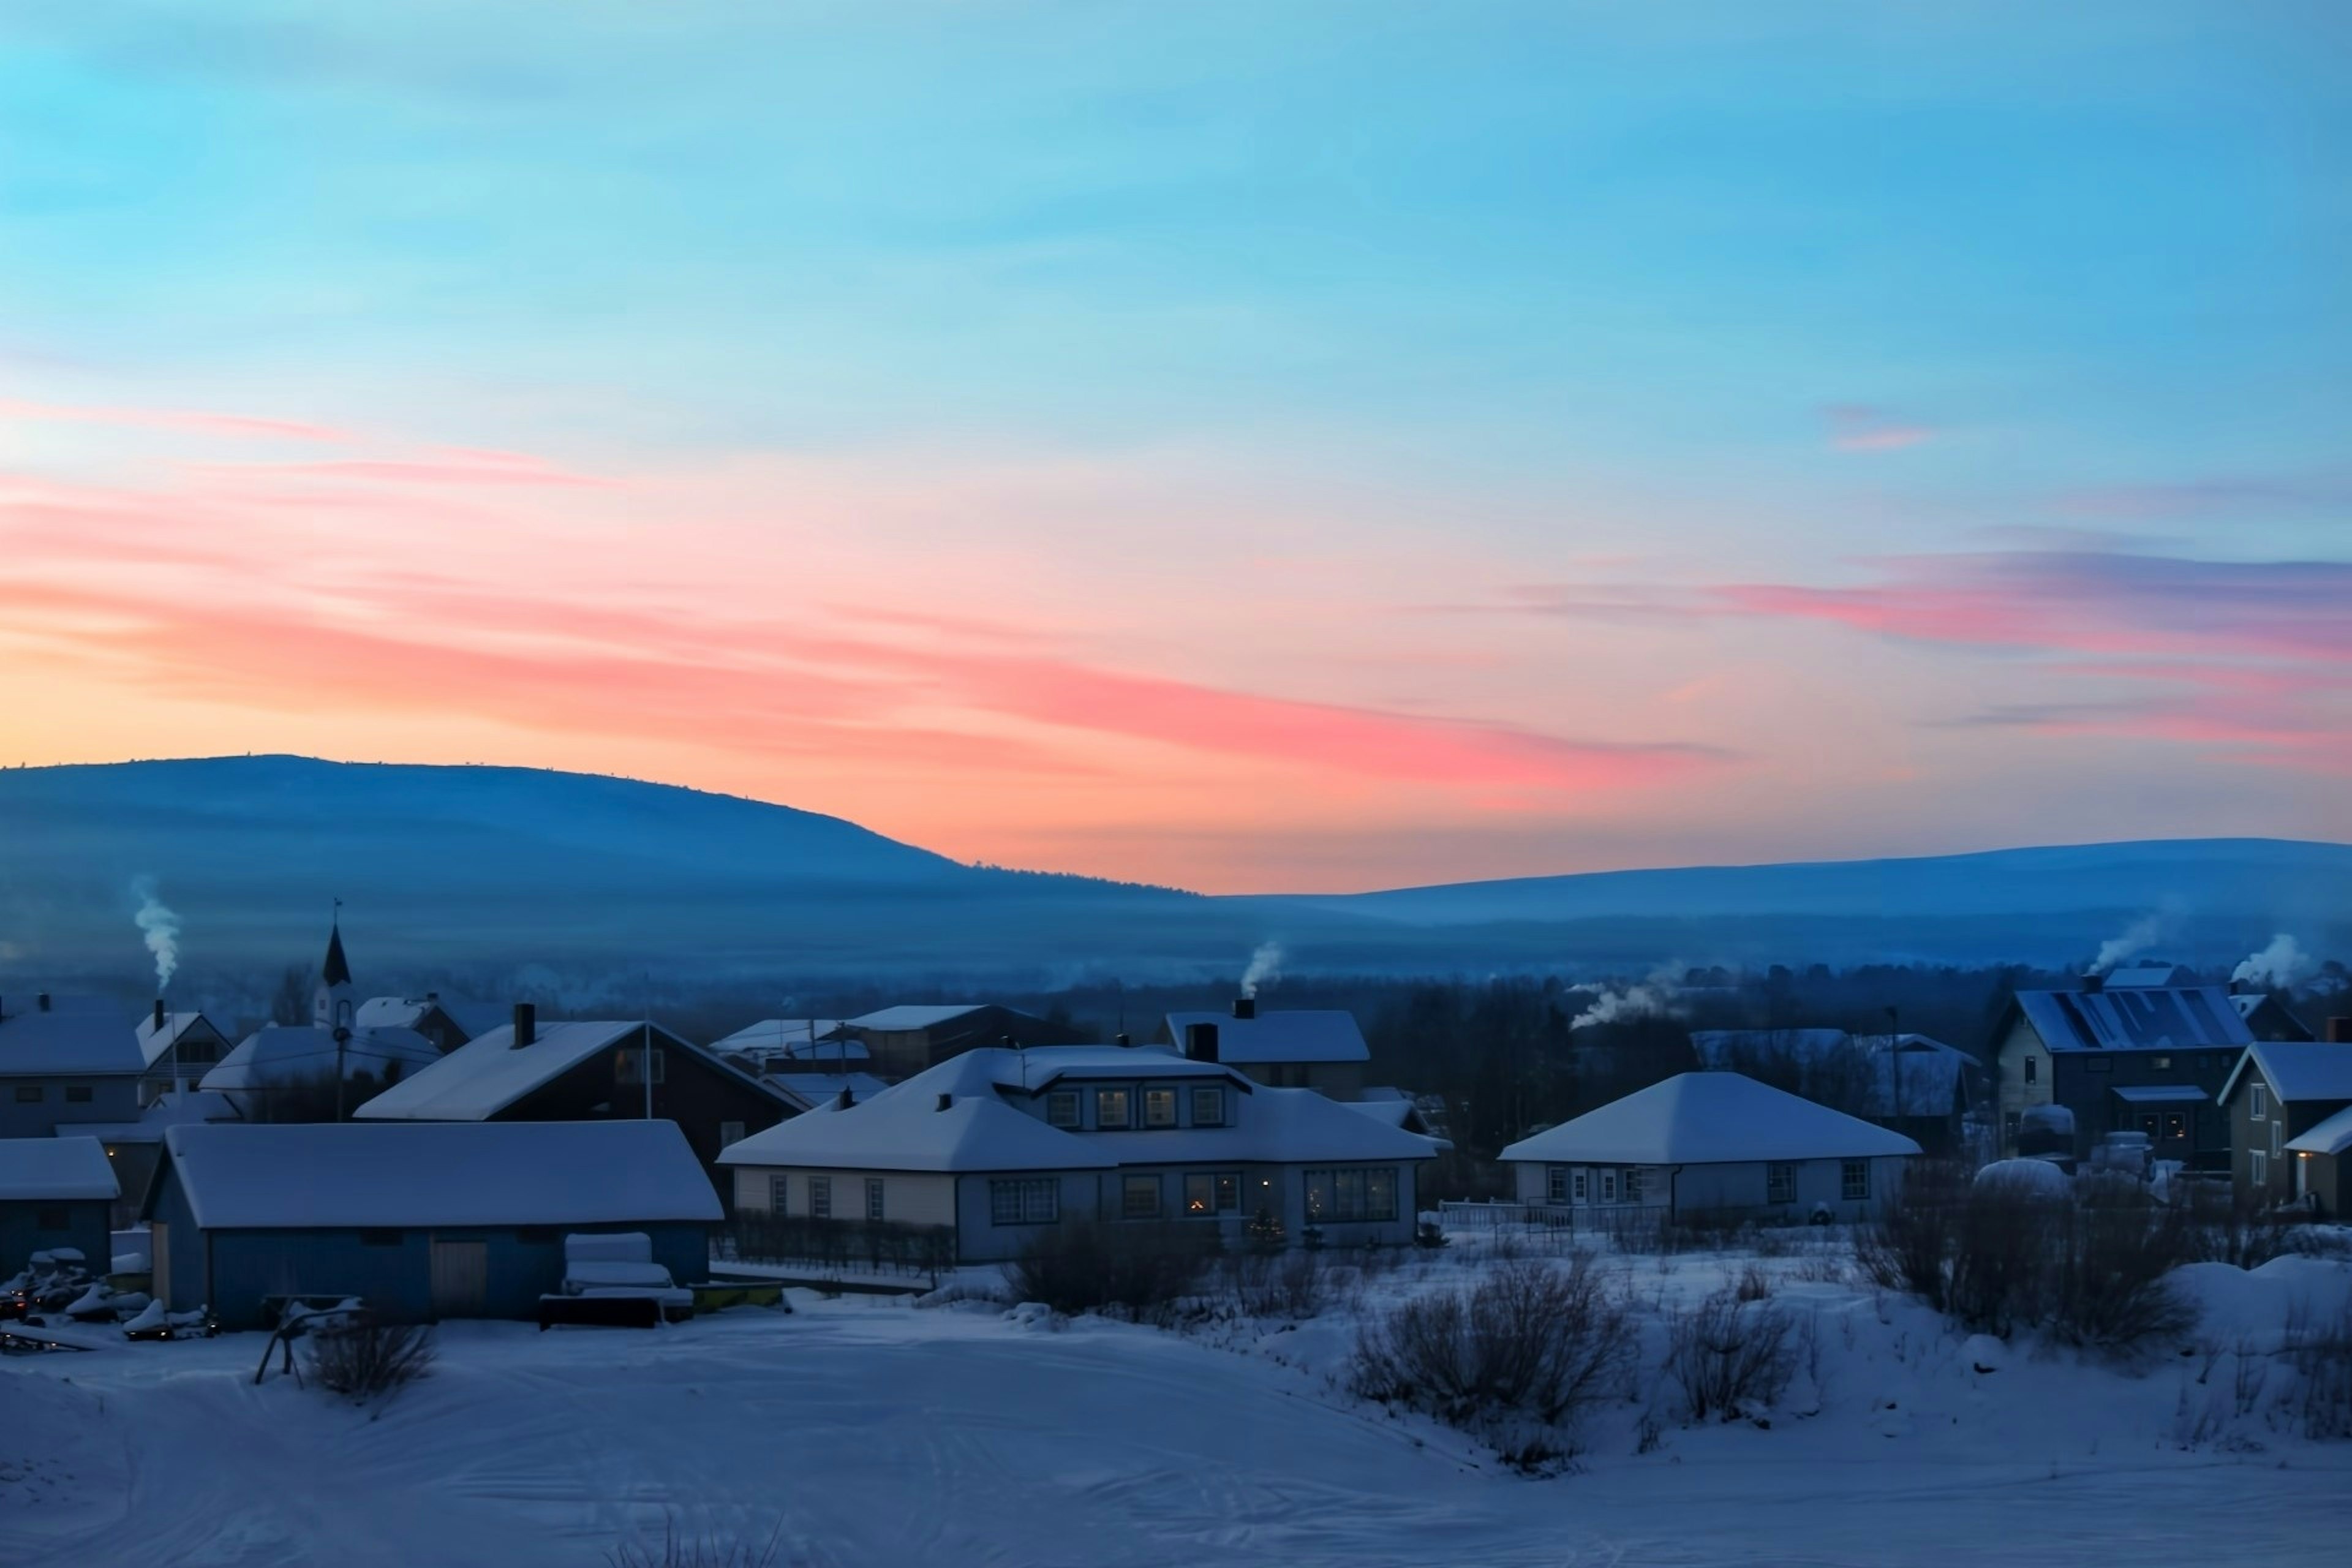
x: 1254, y: 447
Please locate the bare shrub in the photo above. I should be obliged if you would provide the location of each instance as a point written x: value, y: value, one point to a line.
x: 2236, y: 1228
x: 2321, y: 1353
x: 1753, y: 1285
x: 1731, y: 1358
x: 1294, y: 1286
x: 1139, y: 1270
x: 366, y: 1360
x: 1535, y: 1341
x: 701, y: 1549
x: 2109, y: 1288
x: 1910, y: 1247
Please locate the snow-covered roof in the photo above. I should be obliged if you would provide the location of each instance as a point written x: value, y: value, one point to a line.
x: 792, y: 1038
x: 80, y: 1037
x: 32, y: 1169
x: 282, y: 1054
x: 1295, y: 1034
x: 2297, y: 1070
x: 2143, y: 976
x: 154, y: 1042
x: 2135, y: 1018
x: 1708, y: 1118
x: 2160, y: 1094
x: 276, y: 1176
x: 407, y: 1012
x: 169, y: 1111
x: 2332, y: 1136
x: 816, y: 1090
x: 912, y: 1015
x: 982, y: 1129
x: 490, y: 1072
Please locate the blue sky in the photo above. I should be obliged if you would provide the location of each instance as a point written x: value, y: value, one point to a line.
x: 1394, y: 375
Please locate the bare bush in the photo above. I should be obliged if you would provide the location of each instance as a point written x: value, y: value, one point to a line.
x: 1731, y: 1358
x: 1910, y: 1247
x: 2321, y: 1354
x: 2113, y: 1255
x: 366, y: 1360
x: 2238, y: 1229
x: 1141, y: 1272
x: 1531, y: 1340
x: 1753, y: 1285
x: 1294, y: 1286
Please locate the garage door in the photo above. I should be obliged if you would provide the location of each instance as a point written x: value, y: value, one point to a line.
x: 461, y: 1277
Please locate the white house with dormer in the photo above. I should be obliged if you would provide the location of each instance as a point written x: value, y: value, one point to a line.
x: 1003, y: 1145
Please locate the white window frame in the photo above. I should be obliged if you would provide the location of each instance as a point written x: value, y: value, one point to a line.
x: 2258, y: 1103
x: 1058, y: 1099
x: 2278, y: 1138
x: 1780, y: 1182
x: 780, y: 1194
x: 1854, y: 1181
x: 2258, y: 1168
x: 1153, y: 1097
x: 1126, y: 1099
x: 1350, y: 1194
x: 819, y: 1197
x: 1213, y: 1097
x: 1632, y: 1185
x: 875, y: 1212
x: 1579, y: 1185
x: 1132, y: 1187
x: 1556, y: 1183
x: 1608, y: 1184
x: 1024, y: 1200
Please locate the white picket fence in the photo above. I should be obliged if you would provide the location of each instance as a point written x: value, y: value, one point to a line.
x: 1500, y: 1215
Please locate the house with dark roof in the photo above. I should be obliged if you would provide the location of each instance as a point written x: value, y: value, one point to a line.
x: 1291, y: 1047
x: 423, y: 1222
x: 589, y: 1070
x: 445, y: 1023
x: 2123, y: 1056
x: 903, y: 1040
x: 2266, y: 1016
x: 2280, y: 1093
x: 64, y: 1060
x: 996, y: 1147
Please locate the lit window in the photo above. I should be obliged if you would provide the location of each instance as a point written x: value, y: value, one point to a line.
x: 1139, y: 1197
x: 1208, y: 1193
x: 2163, y: 1064
x: 2176, y: 1124
x: 1853, y: 1179
x: 1780, y: 1184
x: 1159, y: 1108
x: 1062, y: 1108
x: 819, y: 1197
x: 1110, y: 1107
x: 1365, y: 1193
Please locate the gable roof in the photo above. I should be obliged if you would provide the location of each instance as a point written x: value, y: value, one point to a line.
x: 1710, y: 1118
x: 154, y: 1042
x: 290, y: 1052
x: 73, y: 1037
x: 1293, y: 1035
x: 70, y: 1168
x: 490, y: 1073
x: 407, y: 1012
x: 984, y: 1130
x: 2332, y: 1136
x: 276, y: 1176
x: 910, y: 1016
x: 2136, y: 1018
x: 805, y: 1038
x: 821, y: 1090
x: 2297, y: 1069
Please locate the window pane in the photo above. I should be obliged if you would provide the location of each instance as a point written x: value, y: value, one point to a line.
x: 819, y: 1197
x: 1200, y: 1193
x: 1004, y: 1203
x: 1318, y: 1194
x: 1229, y: 1192
x: 874, y: 1197
x: 1159, y: 1108
x: 1041, y: 1202
x: 1381, y: 1193
x: 1142, y: 1198
x: 779, y: 1193
x: 1062, y: 1108
x: 1208, y: 1107
x: 1110, y: 1107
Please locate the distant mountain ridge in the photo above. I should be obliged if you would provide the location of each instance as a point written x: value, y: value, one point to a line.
x: 497, y: 868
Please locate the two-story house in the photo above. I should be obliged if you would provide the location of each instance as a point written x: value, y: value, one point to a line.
x: 2132, y: 1051
x: 1297, y: 1047
x: 2280, y: 1092
x: 180, y: 1048
x: 65, y: 1060
x: 1003, y: 1145
x: 903, y: 1040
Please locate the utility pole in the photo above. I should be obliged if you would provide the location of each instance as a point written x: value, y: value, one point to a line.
x: 645, y: 1045
x: 1894, y: 1064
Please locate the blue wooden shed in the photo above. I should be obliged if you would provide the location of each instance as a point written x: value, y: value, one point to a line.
x: 422, y: 1220
x: 54, y: 1192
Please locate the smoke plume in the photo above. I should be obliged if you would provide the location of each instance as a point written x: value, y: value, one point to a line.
x: 2136, y: 937
x: 161, y: 928
x: 1653, y: 998
x: 2277, y: 967
x: 1264, y: 965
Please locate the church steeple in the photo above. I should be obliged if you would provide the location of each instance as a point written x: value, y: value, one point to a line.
x: 331, y: 1004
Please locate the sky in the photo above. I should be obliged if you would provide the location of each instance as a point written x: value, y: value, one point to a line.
x: 1242, y: 447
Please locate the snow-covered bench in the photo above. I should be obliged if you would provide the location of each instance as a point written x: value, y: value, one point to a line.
x: 614, y: 1282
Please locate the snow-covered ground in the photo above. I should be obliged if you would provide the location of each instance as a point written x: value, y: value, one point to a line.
x: 873, y: 1431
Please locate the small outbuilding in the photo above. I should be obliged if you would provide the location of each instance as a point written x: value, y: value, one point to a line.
x: 2280, y: 1092
x: 1717, y: 1143
x: 422, y: 1220
x: 54, y: 1192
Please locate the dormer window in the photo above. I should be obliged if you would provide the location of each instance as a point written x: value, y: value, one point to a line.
x: 1112, y: 1107
x: 1159, y: 1108
x: 1209, y: 1106
x: 1062, y: 1108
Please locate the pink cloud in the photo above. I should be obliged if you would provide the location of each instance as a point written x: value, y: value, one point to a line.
x: 237, y: 425
x: 1860, y: 428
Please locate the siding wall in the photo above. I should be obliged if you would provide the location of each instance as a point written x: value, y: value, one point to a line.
x: 112, y: 1099
x: 89, y: 1226
x: 908, y: 1198
x: 2279, y: 1125
x: 1734, y: 1187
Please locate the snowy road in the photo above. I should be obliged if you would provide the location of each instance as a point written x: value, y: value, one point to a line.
x: 877, y: 1434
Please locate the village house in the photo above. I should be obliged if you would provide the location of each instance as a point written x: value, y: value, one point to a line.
x: 318, y: 1072
x: 901, y: 1041
x: 1300, y: 1048
x: 180, y: 1048
x: 65, y: 1060
x: 422, y: 1222
x: 2133, y: 1051
x: 1906, y: 1083
x: 2266, y: 1016
x: 791, y: 1045
x: 1000, y: 1146
x: 444, y: 1025
x: 55, y: 1192
x: 588, y: 1071
x: 2279, y: 1091
x: 1717, y: 1144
